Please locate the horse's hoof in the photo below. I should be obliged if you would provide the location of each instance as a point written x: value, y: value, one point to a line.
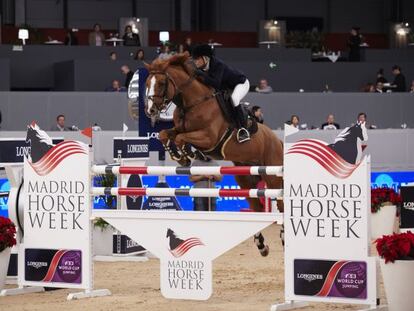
x: 264, y: 251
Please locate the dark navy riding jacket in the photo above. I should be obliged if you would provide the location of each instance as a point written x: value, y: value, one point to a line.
x: 220, y: 76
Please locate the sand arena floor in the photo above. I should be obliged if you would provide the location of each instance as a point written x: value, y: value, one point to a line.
x: 243, y: 281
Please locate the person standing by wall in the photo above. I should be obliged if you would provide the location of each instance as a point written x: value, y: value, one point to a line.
x: 399, y: 83
x: 354, y: 43
x: 204, y: 181
x: 96, y: 37
x: 130, y: 38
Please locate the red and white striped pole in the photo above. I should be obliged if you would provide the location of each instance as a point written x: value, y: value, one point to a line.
x: 192, y: 192
x: 192, y: 170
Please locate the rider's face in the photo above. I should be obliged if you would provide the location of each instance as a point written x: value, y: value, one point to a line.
x: 199, y: 62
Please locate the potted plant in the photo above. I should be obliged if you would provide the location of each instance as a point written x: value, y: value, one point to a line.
x: 7, y: 241
x: 102, y: 231
x: 102, y: 237
x: 397, y: 266
x: 384, y: 203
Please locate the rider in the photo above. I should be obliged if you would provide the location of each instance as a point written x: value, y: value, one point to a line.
x: 217, y: 74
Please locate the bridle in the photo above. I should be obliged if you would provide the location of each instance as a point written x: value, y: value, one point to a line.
x: 178, y: 89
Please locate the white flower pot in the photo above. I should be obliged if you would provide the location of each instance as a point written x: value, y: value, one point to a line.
x: 398, y: 280
x: 102, y: 241
x: 4, y: 265
x: 382, y: 222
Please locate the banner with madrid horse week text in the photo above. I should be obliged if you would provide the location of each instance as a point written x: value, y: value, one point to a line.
x: 56, y: 213
x: 327, y: 208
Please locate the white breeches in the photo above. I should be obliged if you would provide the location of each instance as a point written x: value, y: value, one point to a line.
x: 239, y: 92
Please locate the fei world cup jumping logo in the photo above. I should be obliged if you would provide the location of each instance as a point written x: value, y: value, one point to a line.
x: 179, y: 247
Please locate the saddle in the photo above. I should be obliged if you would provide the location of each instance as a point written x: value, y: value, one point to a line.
x: 227, y: 108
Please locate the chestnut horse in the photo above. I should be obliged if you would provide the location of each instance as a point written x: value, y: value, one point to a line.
x: 199, y: 122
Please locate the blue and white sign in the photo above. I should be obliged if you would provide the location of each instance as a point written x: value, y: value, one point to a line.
x: 131, y: 147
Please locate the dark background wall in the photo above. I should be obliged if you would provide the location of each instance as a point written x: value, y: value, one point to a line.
x: 230, y: 15
x: 39, y: 67
x: 109, y: 110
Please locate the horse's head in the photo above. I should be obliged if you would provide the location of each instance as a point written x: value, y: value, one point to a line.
x: 31, y: 132
x: 170, y: 233
x: 40, y: 142
x: 359, y: 131
x: 161, y: 87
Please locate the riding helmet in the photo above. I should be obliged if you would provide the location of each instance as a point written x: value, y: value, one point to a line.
x: 202, y: 50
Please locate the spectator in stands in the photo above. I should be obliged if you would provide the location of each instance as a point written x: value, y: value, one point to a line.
x: 380, y: 76
x: 188, y: 45
x: 116, y: 87
x: 204, y: 181
x: 379, y: 87
x: 264, y: 87
x: 330, y: 123
x: 257, y: 114
x: 362, y: 117
x: 412, y: 87
x: 96, y: 37
x: 60, y: 124
x: 354, y: 43
x: 294, y: 121
x: 130, y: 38
x: 139, y: 55
x: 166, y: 52
x: 112, y: 55
x: 128, y: 73
x: 70, y: 38
x: 399, y: 80
x: 368, y: 88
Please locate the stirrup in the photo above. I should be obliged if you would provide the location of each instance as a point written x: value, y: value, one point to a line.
x: 242, y: 135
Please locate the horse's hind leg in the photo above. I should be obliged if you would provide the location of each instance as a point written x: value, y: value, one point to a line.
x: 250, y: 182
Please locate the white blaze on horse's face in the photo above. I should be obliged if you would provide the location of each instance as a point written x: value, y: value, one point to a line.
x: 150, y: 92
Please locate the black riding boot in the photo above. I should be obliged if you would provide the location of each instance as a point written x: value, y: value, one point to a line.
x: 242, y: 132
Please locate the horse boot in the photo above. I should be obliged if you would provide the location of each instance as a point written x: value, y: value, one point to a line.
x: 243, y: 134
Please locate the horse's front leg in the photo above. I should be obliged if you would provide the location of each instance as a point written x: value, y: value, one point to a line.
x: 167, y: 138
x: 183, y: 141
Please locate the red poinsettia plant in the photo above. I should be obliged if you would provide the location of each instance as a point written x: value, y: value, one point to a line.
x: 398, y: 246
x: 7, y: 233
x: 384, y: 196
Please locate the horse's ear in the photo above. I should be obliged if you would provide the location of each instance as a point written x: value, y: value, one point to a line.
x: 179, y: 59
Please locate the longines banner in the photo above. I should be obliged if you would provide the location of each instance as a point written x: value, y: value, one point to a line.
x: 407, y: 208
x: 56, y: 213
x: 13, y: 150
x: 327, y: 206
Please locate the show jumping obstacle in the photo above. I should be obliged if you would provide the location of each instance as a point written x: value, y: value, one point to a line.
x: 193, y: 192
x: 327, y: 238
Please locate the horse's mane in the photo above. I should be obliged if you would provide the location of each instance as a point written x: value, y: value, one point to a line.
x: 43, y: 137
x: 342, y: 136
x: 180, y: 60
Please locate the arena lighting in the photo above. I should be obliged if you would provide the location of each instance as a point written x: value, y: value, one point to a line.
x: 164, y: 36
x: 23, y: 35
x: 401, y: 32
x: 274, y: 22
x: 137, y: 20
x: 402, y: 29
